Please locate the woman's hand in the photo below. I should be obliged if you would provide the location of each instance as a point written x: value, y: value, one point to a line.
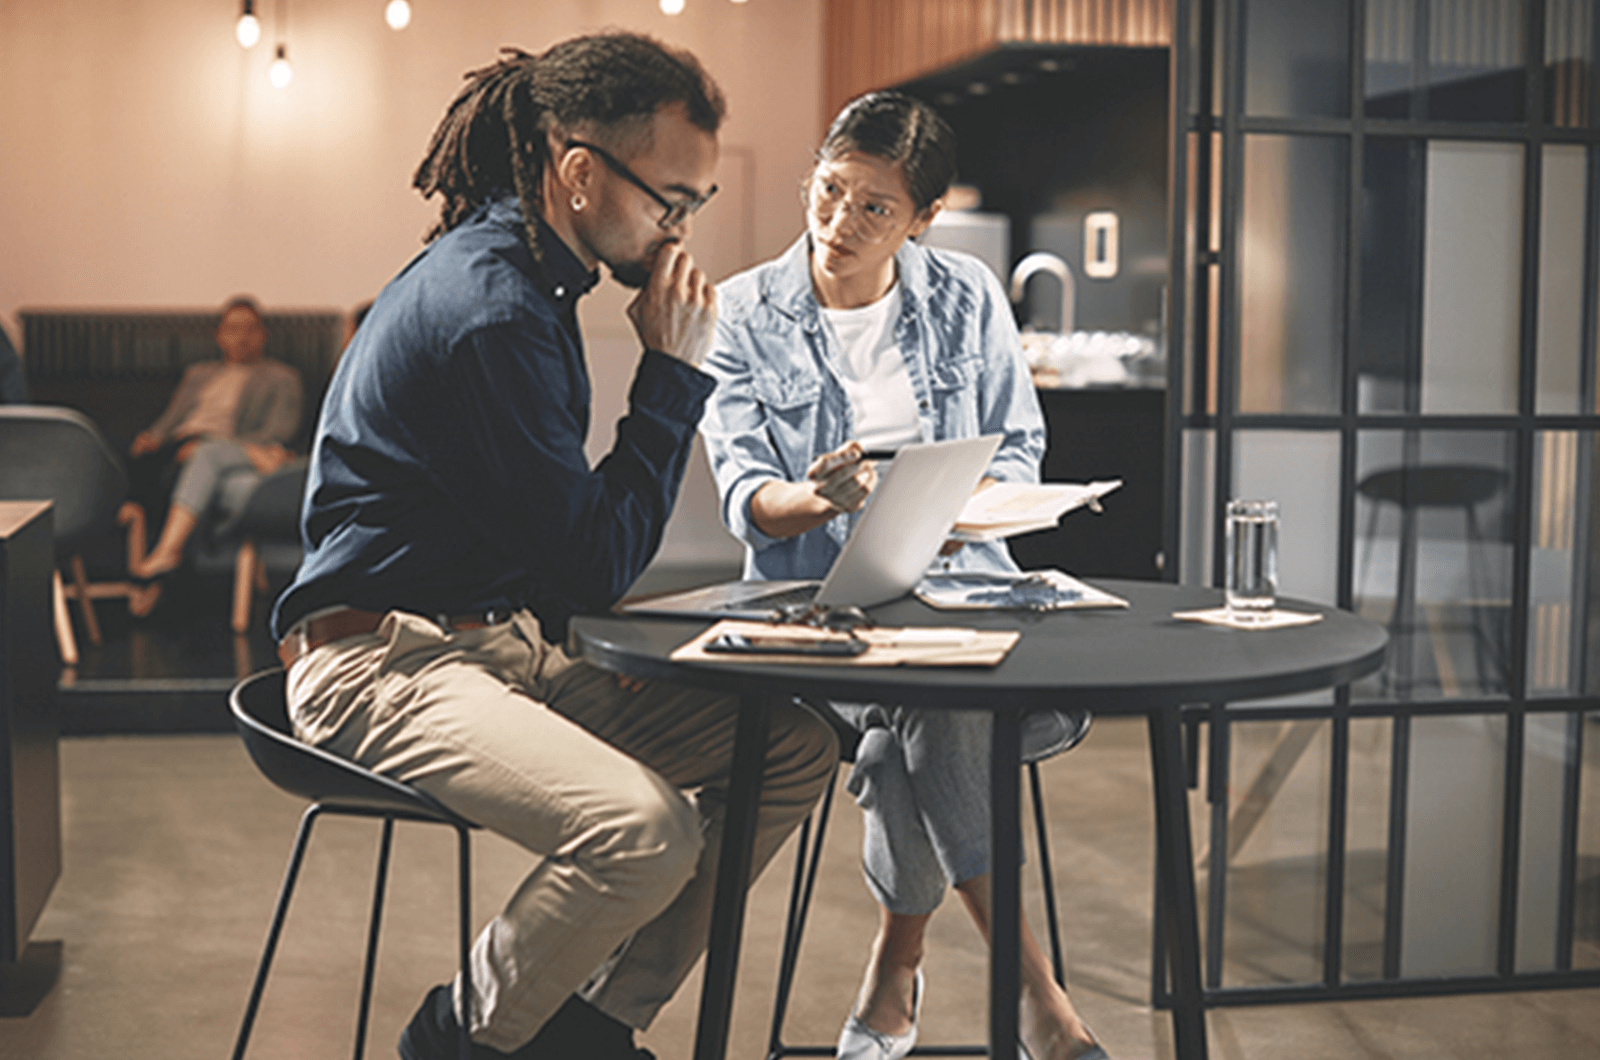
x: 844, y: 477
x: 836, y: 482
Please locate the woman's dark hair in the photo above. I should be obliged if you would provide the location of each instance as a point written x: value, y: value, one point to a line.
x: 493, y: 139
x: 897, y: 128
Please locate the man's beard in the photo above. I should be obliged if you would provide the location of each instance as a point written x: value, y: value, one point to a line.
x: 636, y: 273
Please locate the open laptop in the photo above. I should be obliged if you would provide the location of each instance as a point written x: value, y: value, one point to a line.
x: 905, y: 521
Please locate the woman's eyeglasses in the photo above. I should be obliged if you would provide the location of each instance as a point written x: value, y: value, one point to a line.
x: 874, y: 219
x: 675, y: 212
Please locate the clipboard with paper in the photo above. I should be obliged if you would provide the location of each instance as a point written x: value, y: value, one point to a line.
x: 1036, y: 590
x: 885, y: 646
x: 1007, y: 509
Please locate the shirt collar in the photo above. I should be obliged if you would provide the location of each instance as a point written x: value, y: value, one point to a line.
x: 563, y: 277
x: 788, y: 286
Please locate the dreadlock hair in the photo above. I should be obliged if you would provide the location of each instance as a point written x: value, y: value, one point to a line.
x: 493, y: 138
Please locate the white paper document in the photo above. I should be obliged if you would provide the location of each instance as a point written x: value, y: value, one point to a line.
x: 1007, y: 509
x: 1035, y: 590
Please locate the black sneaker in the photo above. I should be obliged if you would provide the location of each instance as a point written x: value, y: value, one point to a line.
x: 434, y: 1033
x: 578, y: 1031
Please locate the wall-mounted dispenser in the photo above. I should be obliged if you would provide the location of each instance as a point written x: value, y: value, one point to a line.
x: 1100, y: 245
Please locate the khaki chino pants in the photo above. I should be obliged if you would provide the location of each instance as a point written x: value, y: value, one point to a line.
x: 554, y: 754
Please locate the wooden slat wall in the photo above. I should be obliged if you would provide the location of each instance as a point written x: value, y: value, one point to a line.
x: 875, y: 43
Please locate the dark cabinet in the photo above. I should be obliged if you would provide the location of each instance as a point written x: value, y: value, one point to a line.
x: 1103, y: 434
x: 30, y: 791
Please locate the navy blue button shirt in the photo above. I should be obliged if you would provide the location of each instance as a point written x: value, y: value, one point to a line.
x: 448, y: 473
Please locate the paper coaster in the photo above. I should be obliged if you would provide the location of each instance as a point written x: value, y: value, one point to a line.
x: 1219, y: 616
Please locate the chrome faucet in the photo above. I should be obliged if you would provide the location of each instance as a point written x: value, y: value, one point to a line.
x: 1041, y: 261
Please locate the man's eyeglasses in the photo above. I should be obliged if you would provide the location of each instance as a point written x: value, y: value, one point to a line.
x: 675, y: 213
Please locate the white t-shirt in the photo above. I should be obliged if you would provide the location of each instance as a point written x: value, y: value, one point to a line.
x: 874, y: 374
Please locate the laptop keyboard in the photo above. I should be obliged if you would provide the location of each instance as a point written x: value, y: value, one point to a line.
x: 800, y: 594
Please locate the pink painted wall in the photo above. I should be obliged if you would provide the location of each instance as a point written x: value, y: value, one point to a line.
x: 148, y: 162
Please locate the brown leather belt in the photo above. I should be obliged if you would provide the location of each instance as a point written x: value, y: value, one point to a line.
x: 350, y: 622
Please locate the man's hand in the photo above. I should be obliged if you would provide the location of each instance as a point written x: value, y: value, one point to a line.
x: 144, y: 442
x: 678, y: 307
x: 845, y: 477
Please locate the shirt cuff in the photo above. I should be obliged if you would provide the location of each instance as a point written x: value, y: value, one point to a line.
x: 673, y: 387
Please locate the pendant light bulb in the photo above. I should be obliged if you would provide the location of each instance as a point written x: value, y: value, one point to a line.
x: 280, y: 73
x: 248, y: 28
x: 397, y: 14
x: 672, y: 7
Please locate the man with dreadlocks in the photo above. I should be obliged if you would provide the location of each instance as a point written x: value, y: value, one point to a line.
x: 453, y: 526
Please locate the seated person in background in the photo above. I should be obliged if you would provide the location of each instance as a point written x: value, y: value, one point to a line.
x: 232, y: 414
x: 858, y: 339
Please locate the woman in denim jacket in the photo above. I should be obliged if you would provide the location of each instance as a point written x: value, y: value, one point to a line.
x: 858, y: 340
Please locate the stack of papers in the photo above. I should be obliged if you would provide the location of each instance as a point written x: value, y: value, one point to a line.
x: 1007, y: 509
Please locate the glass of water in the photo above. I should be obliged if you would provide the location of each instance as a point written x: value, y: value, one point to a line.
x: 1252, y: 567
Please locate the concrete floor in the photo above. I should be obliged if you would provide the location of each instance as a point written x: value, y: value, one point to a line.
x: 175, y: 846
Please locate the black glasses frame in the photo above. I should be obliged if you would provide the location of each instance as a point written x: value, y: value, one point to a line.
x: 675, y: 212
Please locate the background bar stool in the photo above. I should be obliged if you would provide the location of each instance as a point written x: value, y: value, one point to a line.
x: 1412, y: 489
x: 337, y: 786
x: 808, y: 852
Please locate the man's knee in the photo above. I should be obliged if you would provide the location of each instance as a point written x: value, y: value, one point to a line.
x: 648, y: 846
x: 806, y: 745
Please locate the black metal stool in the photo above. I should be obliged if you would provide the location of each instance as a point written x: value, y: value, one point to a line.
x: 1411, y: 489
x: 808, y: 852
x: 337, y: 786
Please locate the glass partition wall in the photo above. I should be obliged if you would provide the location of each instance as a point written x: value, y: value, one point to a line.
x: 1386, y: 261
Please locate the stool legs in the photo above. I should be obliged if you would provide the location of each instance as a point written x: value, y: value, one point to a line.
x: 376, y: 921
x: 280, y: 915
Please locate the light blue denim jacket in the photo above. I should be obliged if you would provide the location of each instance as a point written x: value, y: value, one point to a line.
x: 779, y: 402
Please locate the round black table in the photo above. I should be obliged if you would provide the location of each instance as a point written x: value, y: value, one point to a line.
x: 1135, y: 660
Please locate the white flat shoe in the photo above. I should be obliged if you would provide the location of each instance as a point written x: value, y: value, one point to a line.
x: 860, y: 1042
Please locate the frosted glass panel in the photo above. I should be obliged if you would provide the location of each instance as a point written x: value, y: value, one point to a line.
x: 1384, y: 353
x: 1569, y: 61
x: 1559, y: 591
x: 1475, y: 64
x: 1299, y: 470
x: 1471, y: 277
x: 1546, y: 746
x: 1453, y: 829
x: 1297, y: 60
x: 1276, y: 844
x: 1451, y: 60
x: 1367, y: 847
x: 1561, y: 355
x: 1291, y: 320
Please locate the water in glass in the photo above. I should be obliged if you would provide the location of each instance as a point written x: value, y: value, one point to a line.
x: 1252, y: 569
